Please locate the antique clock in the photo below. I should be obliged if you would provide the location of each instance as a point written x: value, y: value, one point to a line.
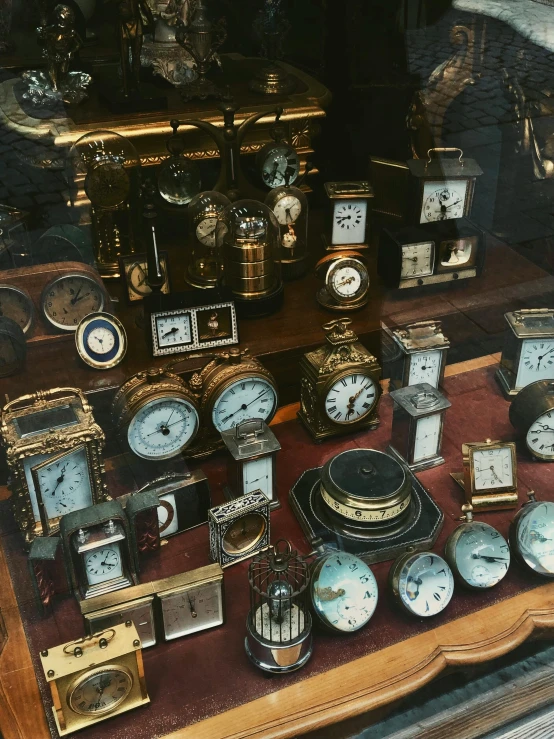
x: 54, y: 426
x: 233, y: 388
x: 417, y: 425
x: 17, y: 304
x: 340, y: 384
x: 68, y: 298
x: 101, y: 340
x: 346, y: 281
x: 489, y: 478
x: 532, y: 534
x: 98, y: 552
x: 156, y: 413
x: 134, y: 273
x: 239, y: 529
x: 205, y: 265
x: 532, y: 415
x: 528, y: 353
x: 421, y: 583
x: 95, y: 677
x: 442, y: 188
x: 348, y: 218
x: 277, y: 162
x: 477, y: 553
x: 418, y: 354
x: 253, y: 465
x: 290, y: 207
x: 135, y: 603
x: 13, y: 347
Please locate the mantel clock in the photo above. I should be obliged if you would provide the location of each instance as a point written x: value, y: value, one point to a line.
x: 54, y: 454
x: 418, y: 354
x: 339, y: 384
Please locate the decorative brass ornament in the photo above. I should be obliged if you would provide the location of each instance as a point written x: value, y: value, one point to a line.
x: 239, y: 529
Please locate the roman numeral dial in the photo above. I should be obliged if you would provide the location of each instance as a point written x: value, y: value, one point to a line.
x: 351, y: 398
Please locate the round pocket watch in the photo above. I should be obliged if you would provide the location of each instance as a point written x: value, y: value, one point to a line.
x: 13, y: 347
x: 277, y: 162
x: 421, y: 583
x: 343, y: 591
x: 157, y: 413
x: 16, y: 304
x: 532, y: 415
x: 532, y: 535
x: 477, y: 553
x: 101, y: 340
x: 346, y: 281
x: 67, y: 299
x: 290, y: 207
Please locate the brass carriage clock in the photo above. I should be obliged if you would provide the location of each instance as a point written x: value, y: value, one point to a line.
x: 418, y: 354
x: 348, y: 215
x: 54, y: 454
x: 489, y: 479
x: 340, y: 384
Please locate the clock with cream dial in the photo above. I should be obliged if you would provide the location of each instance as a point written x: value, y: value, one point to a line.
x: 350, y: 398
x: 205, y: 231
x: 287, y: 210
x: 443, y: 200
x: 425, y: 367
x: 417, y: 260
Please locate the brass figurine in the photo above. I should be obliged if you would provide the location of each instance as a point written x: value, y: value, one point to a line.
x: 130, y: 33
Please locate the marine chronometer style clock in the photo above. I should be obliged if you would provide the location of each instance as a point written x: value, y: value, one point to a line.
x: 16, y: 303
x: 67, y: 299
x: 205, y: 264
x: 421, y: 583
x: 101, y: 340
x: 418, y: 354
x: 489, y: 478
x: 528, y: 353
x: 340, y: 384
x: 346, y: 281
x: 13, y: 347
x: 290, y: 207
x: 532, y: 534
x: 532, y: 415
x: 348, y: 216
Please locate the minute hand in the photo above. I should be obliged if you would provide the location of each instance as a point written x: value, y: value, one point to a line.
x: 446, y: 207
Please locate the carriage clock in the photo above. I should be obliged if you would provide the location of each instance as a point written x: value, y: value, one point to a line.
x: 348, y: 218
x: 339, y: 384
x: 239, y: 529
x: 417, y: 354
x: 417, y: 425
x: 95, y: 677
x: 54, y: 454
x: 442, y: 188
x: 489, y: 478
x: 532, y: 415
x: 528, y: 353
x: 253, y: 448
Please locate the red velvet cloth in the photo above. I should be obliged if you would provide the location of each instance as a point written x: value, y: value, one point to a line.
x: 193, y: 678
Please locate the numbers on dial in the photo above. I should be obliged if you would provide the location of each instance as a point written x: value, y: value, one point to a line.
x: 100, y: 340
x: 427, y: 437
x: 482, y: 555
x: 349, y: 222
x: 442, y: 202
x: 65, y: 484
x: 536, y: 361
x: 162, y: 428
x: 426, y: 584
x: 173, y: 330
x: 535, y: 537
x: 351, y: 398
x: 425, y: 367
x: 17, y: 305
x: 493, y: 468
x: 287, y: 210
x: 205, y: 231
x: 102, y: 691
x: 242, y: 400
x: 540, y: 437
x: 67, y: 300
x: 417, y: 260
x: 193, y: 610
x: 281, y: 166
x: 347, y: 280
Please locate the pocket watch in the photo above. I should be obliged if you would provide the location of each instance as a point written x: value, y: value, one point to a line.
x: 239, y: 529
x: 477, y: 553
x: 532, y: 533
x: 346, y: 281
x: 421, y: 583
x: 347, y: 222
x: 67, y: 299
x: 157, y: 414
x: 134, y: 272
x: 343, y: 591
x: 101, y: 340
x: 528, y: 352
x: 532, y: 415
x: 205, y: 264
x: 290, y: 207
x: 95, y: 678
x: 16, y: 303
x: 339, y: 384
x: 13, y: 347
x: 419, y: 355
x: 489, y: 478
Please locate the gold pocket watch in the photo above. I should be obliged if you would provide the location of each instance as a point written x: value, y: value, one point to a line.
x: 346, y: 281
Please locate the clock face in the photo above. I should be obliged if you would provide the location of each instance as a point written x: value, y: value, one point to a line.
x: 536, y: 361
x: 287, y: 210
x: 173, y: 330
x: 493, y: 468
x: 417, y: 260
x: 344, y: 592
x: 191, y: 610
x: 17, y: 305
x: 482, y: 555
x: 137, y: 274
x: 162, y: 428
x: 280, y: 166
x: 425, y: 367
x: 103, y: 564
x: 351, y: 398
x: 242, y: 400
x: 540, y: 437
x: 347, y: 280
x: 65, y: 485
x: 349, y: 222
x: 100, y: 340
x: 243, y: 534
x: 68, y: 299
x: 427, y: 437
x: 535, y: 537
x: 257, y: 474
x: 101, y: 691
x: 205, y: 231
x: 443, y: 200
x: 426, y: 584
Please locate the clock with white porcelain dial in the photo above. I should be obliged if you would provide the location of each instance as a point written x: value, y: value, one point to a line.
x: 532, y: 535
x: 443, y: 200
x: 425, y: 367
x: 173, y: 331
x: 540, y: 437
x: 422, y: 583
x: 478, y: 554
x: 103, y: 564
x: 349, y: 222
x: 162, y: 428
x: 347, y: 280
x: 287, y: 210
x: 350, y: 398
x: 251, y: 397
x: 536, y: 361
x: 101, y: 340
x: 417, y: 260
x: 205, y: 231
x: 63, y: 484
x: 493, y: 469
x: 257, y: 474
x: 427, y: 437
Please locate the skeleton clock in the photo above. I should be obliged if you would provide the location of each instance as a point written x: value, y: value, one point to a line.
x: 340, y: 384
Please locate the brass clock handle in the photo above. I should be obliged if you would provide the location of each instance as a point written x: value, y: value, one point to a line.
x: 76, y: 648
x: 42, y: 395
x: 444, y: 150
x: 330, y: 325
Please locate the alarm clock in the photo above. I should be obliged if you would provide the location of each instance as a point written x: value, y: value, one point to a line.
x: 346, y: 279
x: 348, y: 215
x: 489, y: 478
x: 239, y: 529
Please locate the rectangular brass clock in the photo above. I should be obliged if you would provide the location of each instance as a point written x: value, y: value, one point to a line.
x: 489, y: 478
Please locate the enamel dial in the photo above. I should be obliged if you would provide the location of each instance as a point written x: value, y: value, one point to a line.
x: 101, y: 690
x: 205, y: 231
x: 425, y: 584
x: 252, y: 397
x: 287, y: 210
x: 425, y: 367
x: 194, y: 609
x: 162, y: 428
x: 257, y: 474
x: 417, y: 260
x: 443, y: 201
x: 349, y: 222
x: 347, y: 280
x: 103, y: 564
x: 64, y: 484
x: 101, y: 340
x: 17, y: 305
x: 493, y: 468
x: 344, y: 592
x: 533, y: 536
x: 280, y: 166
x: 68, y: 299
x: 536, y: 361
x: 350, y: 398
x: 540, y: 437
x: 479, y: 555
x: 427, y: 437
x: 173, y: 330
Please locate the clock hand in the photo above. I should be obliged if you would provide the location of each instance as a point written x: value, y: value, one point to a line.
x: 243, y: 407
x: 288, y: 215
x: 451, y: 204
x: 174, y: 330
x: 76, y: 296
x: 76, y: 300
x: 494, y: 473
x: 60, y: 478
x: 191, y: 606
x: 346, y: 281
x: 488, y: 558
x: 163, y: 428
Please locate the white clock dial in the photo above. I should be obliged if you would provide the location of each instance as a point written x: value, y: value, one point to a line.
x: 426, y: 584
x: 257, y: 474
x: 253, y: 397
x: 205, y: 231
x: 417, y: 260
x: 287, y: 210
x: 65, y: 484
x: 535, y: 537
x: 346, y: 281
x: 536, y: 361
x: 349, y: 221
x: 103, y: 564
x: 173, y: 330
x: 162, y: 428
x: 100, y: 340
x: 427, y: 437
x: 425, y: 367
x: 540, y: 437
x: 28, y: 464
x: 443, y: 201
x: 493, y: 468
x: 168, y: 521
x: 351, y: 398
x: 193, y: 610
x: 482, y: 555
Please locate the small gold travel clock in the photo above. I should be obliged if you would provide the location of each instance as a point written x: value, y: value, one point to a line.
x: 489, y: 478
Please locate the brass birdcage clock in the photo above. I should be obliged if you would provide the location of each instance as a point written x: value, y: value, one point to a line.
x: 340, y: 387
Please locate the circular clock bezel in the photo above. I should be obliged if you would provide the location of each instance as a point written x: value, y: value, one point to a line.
x: 218, y: 386
x: 357, y: 265
x: 164, y: 395
x: 274, y: 198
x: 523, y: 411
x: 513, y: 537
x: 394, y: 580
x: 452, y: 560
x: 331, y: 382
x: 61, y: 278
x: 93, y: 181
x: 86, y: 353
x: 267, y: 151
x: 31, y: 310
x: 77, y: 683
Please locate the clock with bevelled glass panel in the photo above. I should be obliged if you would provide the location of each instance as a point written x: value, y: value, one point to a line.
x: 418, y: 354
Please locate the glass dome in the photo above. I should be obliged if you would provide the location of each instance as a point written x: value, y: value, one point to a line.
x: 179, y: 180
x: 206, y: 265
